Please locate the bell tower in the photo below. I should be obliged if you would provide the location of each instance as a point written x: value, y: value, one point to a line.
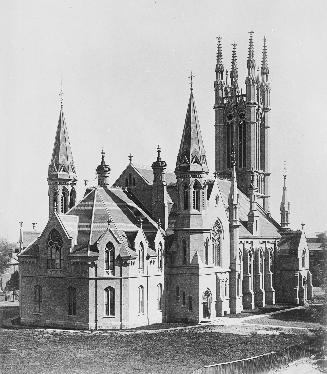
x: 242, y: 123
x: 61, y: 172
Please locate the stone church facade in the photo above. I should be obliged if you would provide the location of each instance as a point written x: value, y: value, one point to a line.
x: 156, y: 246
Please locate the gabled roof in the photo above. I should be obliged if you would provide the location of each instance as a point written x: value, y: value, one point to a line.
x: 62, y: 163
x: 191, y: 155
x: 268, y: 228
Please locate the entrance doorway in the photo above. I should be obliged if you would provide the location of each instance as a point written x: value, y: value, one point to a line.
x: 207, y: 300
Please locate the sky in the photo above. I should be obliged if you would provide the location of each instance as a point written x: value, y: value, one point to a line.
x: 125, y: 66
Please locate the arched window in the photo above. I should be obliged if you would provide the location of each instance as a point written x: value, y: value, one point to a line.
x: 109, y: 300
x: 177, y: 293
x: 184, y: 253
x: 206, y: 252
x: 186, y: 197
x: 159, y: 290
x: 38, y: 298
x: 72, y: 197
x: 216, y: 243
x: 261, y: 268
x: 110, y: 258
x: 196, y: 195
x: 160, y: 256
x: 134, y: 183
x: 71, y: 301
x: 141, y: 300
x: 54, y: 245
x: 141, y: 257
x: 250, y: 269
x: 126, y: 182
x: 184, y: 298
x: 130, y: 179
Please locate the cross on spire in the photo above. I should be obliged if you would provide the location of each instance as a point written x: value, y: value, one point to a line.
x: 130, y: 157
x: 191, y: 80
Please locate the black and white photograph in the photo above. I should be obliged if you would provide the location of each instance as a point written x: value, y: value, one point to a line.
x: 163, y: 183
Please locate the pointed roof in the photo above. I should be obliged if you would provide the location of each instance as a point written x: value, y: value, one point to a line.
x: 62, y: 163
x: 234, y: 70
x: 250, y: 60
x: 219, y: 65
x: 191, y: 155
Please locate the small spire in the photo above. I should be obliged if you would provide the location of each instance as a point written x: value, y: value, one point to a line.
x: 130, y: 157
x: 285, y: 204
x: 264, y: 62
x: 103, y: 171
x: 159, y: 152
x: 191, y: 80
x: 20, y: 236
x: 61, y: 94
x: 234, y: 70
x: 250, y: 61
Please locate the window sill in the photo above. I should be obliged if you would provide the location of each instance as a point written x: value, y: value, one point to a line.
x: 109, y: 317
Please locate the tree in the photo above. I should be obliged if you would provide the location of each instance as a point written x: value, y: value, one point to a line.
x: 13, y: 283
x: 6, y: 249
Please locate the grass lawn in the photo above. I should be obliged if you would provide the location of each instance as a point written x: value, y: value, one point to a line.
x: 174, y: 351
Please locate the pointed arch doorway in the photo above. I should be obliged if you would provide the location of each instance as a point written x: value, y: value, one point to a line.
x: 206, y: 302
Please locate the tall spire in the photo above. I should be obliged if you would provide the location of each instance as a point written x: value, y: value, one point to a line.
x: 264, y: 62
x: 284, y: 205
x: 253, y: 215
x: 62, y: 163
x: 234, y: 70
x: 250, y: 60
x: 191, y: 155
x: 219, y: 65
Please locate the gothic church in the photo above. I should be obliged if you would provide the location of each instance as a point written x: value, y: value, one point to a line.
x: 156, y: 246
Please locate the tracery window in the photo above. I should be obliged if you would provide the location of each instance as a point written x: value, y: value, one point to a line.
x: 184, y: 298
x: 190, y: 303
x: 54, y: 245
x: 216, y: 243
x: 303, y: 259
x: 38, y: 298
x: 177, y: 293
x: 206, y: 252
x: 141, y: 300
x: 64, y: 200
x: 109, y: 295
x: 71, y: 301
x: 110, y: 258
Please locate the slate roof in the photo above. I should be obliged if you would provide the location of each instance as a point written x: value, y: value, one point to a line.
x: 147, y: 174
x: 28, y: 238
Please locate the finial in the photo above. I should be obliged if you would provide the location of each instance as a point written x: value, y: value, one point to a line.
x: 61, y: 94
x: 141, y: 222
x: 302, y: 226
x: 219, y: 66
x: 191, y: 80
x: 284, y: 172
x: 102, y: 154
x: 109, y: 221
x: 159, y: 223
x: 130, y: 157
x: 264, y: 62
x: 158, y: 151
x: 34, y: 225
x: 86, y: 181
x: 234, y: 72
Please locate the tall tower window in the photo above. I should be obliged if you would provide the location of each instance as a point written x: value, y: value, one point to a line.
x: 303, y: 259
x: 160, y: 256
x: 38, y: 298
x: 141, y: 257
x: 184, y: 252
x: 71, y: 301
x: 186, y: 197
x: 109, y: 301
x: 196, y: 195
x: 216, y: 243
x: 242, y: 144
x: 141, y: 300
x: 110, y: 258
x: 206, y: 252
x: 229, y: 143
x: 64, y: 200
x: 54, y: 250
x: 159, y: 290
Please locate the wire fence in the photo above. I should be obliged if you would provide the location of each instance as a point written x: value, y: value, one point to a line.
x: 259, y: 364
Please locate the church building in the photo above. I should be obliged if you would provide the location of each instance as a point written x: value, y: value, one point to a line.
x: 155, y: 246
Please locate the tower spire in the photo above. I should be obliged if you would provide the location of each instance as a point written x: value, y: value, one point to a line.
x: 234, y: 70
x: 285, y: 204
x: 264, y: 62
x: 219, y: 64
x: 250, y: 60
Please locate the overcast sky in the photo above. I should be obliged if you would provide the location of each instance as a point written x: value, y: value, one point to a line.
x: 125, y: 66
